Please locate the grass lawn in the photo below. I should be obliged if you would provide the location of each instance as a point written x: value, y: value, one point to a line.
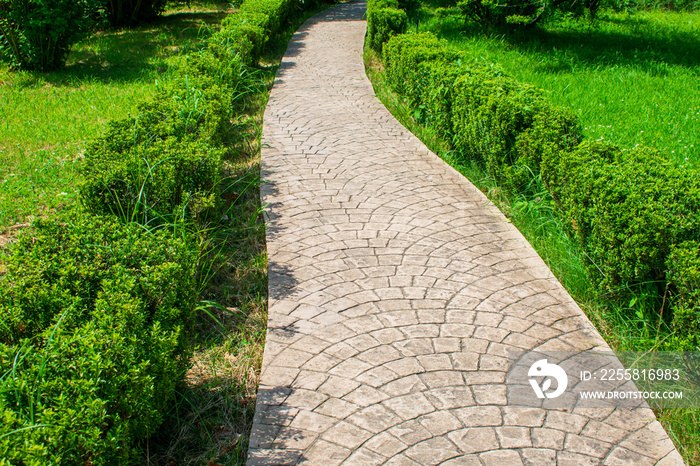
x: 46, y: 119
x: 631, y: 78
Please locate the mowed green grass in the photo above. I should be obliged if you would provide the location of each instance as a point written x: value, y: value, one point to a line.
x: 631, y: 79
x: 47, y: 119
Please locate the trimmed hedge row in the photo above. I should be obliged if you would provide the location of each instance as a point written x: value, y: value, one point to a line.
x: 635, y: 214
x: 96, y: 321
x: 385, y: 19
x: 487, y: 115
x: 96, y: 310
x: 166, y: 161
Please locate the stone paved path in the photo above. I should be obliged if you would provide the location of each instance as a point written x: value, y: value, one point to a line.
x: 396, y: 291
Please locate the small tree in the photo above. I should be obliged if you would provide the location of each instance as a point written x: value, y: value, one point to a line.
x: 38, y: 34
x: 500, y: 13
x: 128, y: 12
x: 517, y: 14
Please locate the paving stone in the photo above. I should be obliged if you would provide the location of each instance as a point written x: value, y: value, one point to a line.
x: 475, y: 439
x: 463, y: 460
x: 432, y: 451
x: 501, y: 457
x: 346, y: 434
x: 450, y: 397
x: 397, y: 290
x: 477, y: 416
x: 375, y: 418
x: 526, y: 417
x: 440, y: 422
x: 365, y: 457
x: 552, y: 439
x: 538, y: 456
x: 435, y: 362
x: 338, y: 386
x: 401, y: 460
x: 404, y: 386
x: 410, y: 432
x: 601, y: 431
x: 331, y: 453
x: 622, y: 456
x: 311, y: 421
x: 305, y: 399
x: 436, y: 379
x: 490, y: 394
x: 310, y: 380
x: 566, y: 458
x: 566, y: 422
x: 514, y: 437
x: 410, y: 406
x: 365, y: 396
x: 385, y: 443
x: 337, y: 408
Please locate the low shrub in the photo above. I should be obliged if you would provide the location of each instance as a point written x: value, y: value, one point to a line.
x: 152, y: 182
x: 634, y: 213
x: 684, y: 273
x: 486, y: 115
x: 122, y: 13
x: 96, y: 321
x: 506, y: 124
x: 628, y: 209
x: 504, y: 13
x: 39, y: 34
x: 256, y: 22
x: 423, y: 69
x: 384, y: 20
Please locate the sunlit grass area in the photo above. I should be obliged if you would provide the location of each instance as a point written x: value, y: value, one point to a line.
x: 631, y: 78
x: 46, y: 119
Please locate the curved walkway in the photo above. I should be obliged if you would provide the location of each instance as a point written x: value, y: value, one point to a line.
x: 396, y: 292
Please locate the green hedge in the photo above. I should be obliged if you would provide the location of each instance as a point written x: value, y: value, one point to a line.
x: 684, y: 272
x: 94, y: 337
x: 486, y: 115
x: 628, y: 209
x: 152, y: 182
x: 165, y: 161
x: 384, y: 20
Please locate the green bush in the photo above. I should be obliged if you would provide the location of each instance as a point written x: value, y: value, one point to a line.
x: 129, y: 12
x: 635, y: 214
x: 38, y: 34
x: 684, y: 273
x: 423, y: 69
x: 500, y: 13
x: 490, y: 110
x: 487, y: 116
x: 186, y: 109
x: 94, y: 337
x: 521, y: 14
x: 152, y: 182
x: 384, y: 23
x: 627, y: 208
